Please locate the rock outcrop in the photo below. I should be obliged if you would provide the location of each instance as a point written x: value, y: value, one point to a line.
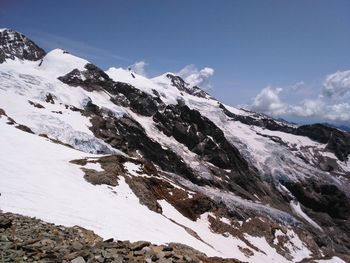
x: 25, y: 239
x: 16, y: 45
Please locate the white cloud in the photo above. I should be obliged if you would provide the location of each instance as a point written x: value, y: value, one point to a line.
x: 297, y: 86
x: 307, y: 108
x: 333, y: 102
x: 269, y: 102
x: 196, y: 77
x: 139, y: 67
x: 337, y: 85
x: 338, y: 112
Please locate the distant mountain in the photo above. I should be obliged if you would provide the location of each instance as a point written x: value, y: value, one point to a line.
x: 340, y: 127
x: 134, y: 158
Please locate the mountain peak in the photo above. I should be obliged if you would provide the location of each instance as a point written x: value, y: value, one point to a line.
x: 16, y: 45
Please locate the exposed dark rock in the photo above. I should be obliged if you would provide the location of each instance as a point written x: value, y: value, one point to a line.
x: 260, y: 120
x: 339, y: 144
x: 322, y: 198
x: 337, y: 141
x: 200, y: 135
x: 139, y: 245
x: 32, y: 240
x: 36, y: 105
x: 129, y: 136
x: 181, y: 85
x: 94, y: 78
x: 24, y: 128
x: 49, y: 98
x: 16, y: 45
x: 316, y: 132
x: 139, y: 101
x: 2, y: 112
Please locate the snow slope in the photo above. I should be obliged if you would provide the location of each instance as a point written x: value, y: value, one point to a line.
x: 54, y: 190
x: 24, y: 83
x: 38, y: 180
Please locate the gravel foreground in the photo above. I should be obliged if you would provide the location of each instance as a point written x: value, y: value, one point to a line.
x: 25, y: 239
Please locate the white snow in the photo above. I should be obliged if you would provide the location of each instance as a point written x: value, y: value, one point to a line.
x: 21, y: 81
x: 329, y: 154
x: 226, y: 246
x: 58, y: 63
x: 237, y: 111
x: 133, y: 169
x: 296, y: 247
x: 278, y: 233
x: 54, y: 190
x: 225, y: 220
x: 295, y: 205
x: 168, y: 93
x: 290, y: 139
x: 94, y: 166
x: 170, y: 143
x: 331, y: 260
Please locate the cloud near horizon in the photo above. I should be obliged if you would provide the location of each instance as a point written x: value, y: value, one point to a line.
x: 139, y: 67
x: 195, y: 77
x: 332, y: 103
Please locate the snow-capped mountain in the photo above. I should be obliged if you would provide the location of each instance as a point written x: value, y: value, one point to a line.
x: 160, y: 160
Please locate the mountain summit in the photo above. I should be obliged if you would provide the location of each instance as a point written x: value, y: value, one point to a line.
x: 15, y: 45
x: 134, y: 158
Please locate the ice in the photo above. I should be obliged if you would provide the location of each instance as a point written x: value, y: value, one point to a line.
x: 55, y: 190
x: 295, y: 205
x: 21, y: 82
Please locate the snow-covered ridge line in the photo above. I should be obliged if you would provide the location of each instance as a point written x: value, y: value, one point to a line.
x: 95, y: 115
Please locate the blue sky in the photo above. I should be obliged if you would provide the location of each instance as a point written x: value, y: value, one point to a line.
x: 288, y: 46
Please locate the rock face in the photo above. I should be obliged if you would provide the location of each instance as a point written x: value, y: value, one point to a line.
x: 337, y: 141
x: 258, y: 119
x: 200, y: 135
x: 223, y: 176
x: 181, y: 85
x: 25, y: 239
x: 125, y: 94
x: 323, y: 198
x: 16, y: 45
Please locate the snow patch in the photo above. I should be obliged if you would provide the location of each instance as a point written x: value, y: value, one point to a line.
x: 94, y: 166
x: 55, y: 190
x: 134, y: 169
x: 226, y: 246
x: 59, y: 62
x: 331, y: 260
x: 295, y: 205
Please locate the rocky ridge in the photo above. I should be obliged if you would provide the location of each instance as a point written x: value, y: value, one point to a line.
x: 192, y: 153
x: 25, y: 239
x: 16, y: 45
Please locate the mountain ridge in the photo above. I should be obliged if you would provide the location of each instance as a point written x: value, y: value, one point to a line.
x: 235, y: 180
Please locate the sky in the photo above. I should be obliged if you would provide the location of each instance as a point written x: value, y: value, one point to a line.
x: 289, y: 59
